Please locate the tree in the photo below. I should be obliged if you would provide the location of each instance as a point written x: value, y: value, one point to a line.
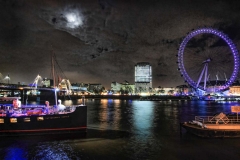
x: 162, y: 91
x: 171, y: 91
x: 140, y: 89
x: 150, y: 90
x: 128, y: 89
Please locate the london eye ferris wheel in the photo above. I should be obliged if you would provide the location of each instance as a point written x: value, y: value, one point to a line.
x: 207, y: 57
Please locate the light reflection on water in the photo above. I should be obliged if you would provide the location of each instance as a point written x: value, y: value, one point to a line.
x: 55, y: 150
x: 143, y: 115
x: 125, y: 129
x: 15, y: 153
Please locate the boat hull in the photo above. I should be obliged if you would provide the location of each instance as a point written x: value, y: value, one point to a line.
x: 71, y: 122
x: 210, y: 133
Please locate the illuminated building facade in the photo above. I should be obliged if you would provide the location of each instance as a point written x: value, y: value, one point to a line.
x: 122, y: 88
x: 115, y: 87
x: 143, y: 77
x: 47, y: 82
x: 95, y: 88
x: 234, y: 90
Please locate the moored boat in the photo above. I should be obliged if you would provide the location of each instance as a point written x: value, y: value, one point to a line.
x: 40, y: 119
x: 218, y: 126
x: 18, y: 119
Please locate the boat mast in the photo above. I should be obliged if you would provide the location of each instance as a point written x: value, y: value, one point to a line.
x: 54, y: 77
x: 53, y: 70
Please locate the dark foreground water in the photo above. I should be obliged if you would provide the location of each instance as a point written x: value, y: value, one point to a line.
x: 125, y: 129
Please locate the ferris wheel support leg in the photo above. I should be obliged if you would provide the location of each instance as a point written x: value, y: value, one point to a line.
x: 205, y: 78
x: 200, y: 77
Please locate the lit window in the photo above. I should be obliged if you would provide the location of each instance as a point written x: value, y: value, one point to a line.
x: 13, y: 120
x: 1, y: 120
x: 27, y: 119
x: 40, y: 118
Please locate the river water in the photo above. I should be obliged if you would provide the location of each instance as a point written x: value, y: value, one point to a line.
x: 126, y: 129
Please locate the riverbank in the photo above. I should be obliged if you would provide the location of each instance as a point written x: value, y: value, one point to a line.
x: 42, y: 98
x: 122, y: 97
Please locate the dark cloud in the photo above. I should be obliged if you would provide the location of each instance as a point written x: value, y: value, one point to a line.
x: 101, y: 41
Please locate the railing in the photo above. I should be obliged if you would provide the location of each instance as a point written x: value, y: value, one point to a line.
x: 23, y: 110
x: 214, y: 119
x: 31, y: 106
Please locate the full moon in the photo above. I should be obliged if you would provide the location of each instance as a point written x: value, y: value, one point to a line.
x: 74, y: 19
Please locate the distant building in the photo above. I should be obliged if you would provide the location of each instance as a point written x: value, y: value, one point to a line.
x: 122, y: 88
x: 95, y: 88
x: 128, y: 89
x: 143, y: 77
x: 165, y: 91
x: 79, y: 86
x: 115, y: 87
x: 234, y: 90
x: 47, y: 82
x: 183, y: 90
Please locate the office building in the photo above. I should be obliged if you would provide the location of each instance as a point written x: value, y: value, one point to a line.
x: 143, y: 77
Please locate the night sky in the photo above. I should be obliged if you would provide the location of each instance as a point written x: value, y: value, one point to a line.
x: 100, y: 41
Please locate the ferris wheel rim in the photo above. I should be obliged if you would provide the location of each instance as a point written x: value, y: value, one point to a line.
x: 219, y: 34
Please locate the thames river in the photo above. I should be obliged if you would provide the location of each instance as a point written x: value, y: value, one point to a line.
x: 130, y: 129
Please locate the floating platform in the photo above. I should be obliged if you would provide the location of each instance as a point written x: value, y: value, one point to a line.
x: 214, y: 131
x: 218, y: 126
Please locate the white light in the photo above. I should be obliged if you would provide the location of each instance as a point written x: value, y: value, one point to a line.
x: 74, y: 19
x: 71, y: 17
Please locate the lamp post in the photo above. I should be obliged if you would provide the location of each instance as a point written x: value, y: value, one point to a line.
x: 7, y: 78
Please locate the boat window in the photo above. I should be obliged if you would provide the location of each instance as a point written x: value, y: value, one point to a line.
x: 1, y: 120
x: 73, y: 108
x: 40, y: 118
x: 27, y: 119
x: 13, y: 120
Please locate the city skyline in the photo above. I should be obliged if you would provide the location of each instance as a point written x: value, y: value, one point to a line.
x: 101, y: 41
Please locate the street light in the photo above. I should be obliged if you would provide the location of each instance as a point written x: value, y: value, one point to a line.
x: 7, y: 78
